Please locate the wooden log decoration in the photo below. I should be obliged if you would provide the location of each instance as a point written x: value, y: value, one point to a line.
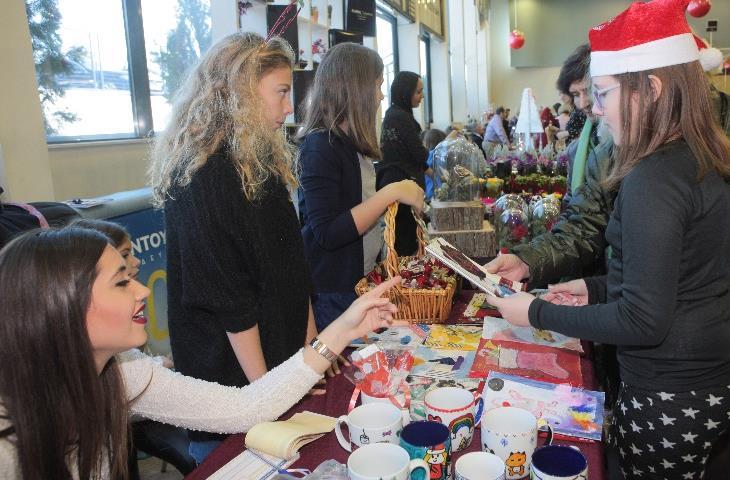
x: 452, y: 216
x: 473, y: 243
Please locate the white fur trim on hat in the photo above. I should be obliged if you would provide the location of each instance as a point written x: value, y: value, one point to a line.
x: 664, y: 52
x: 710, y: 58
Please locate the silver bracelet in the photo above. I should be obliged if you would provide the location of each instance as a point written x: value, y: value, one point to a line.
x: 323, y: 349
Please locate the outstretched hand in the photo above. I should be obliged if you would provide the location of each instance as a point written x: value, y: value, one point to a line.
x: 514, y: 308
x: 509, y: 266
x: 573, y: 293
x: 371, y: 312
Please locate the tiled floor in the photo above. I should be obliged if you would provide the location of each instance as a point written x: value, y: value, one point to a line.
x: 150, y: 469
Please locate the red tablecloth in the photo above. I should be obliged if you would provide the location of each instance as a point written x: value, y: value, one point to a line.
x: 335, y: 402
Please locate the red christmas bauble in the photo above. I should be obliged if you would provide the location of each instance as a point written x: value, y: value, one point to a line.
x: 699, y: 8
x: 516, y: 39
x: 726, y: 67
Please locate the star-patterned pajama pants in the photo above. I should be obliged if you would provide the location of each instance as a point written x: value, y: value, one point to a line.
x: 661, y: 435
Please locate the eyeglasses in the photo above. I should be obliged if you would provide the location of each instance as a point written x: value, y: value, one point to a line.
x: 599, y: 96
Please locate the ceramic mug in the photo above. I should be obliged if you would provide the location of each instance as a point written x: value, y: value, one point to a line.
x: 399, y: 399
x: 511, y: 434
x: 558, y: 462
x: 479, y: 466
x: 429, y: 441
x: 383, y: 460
x: 372, y: 423
x: 457, y: 408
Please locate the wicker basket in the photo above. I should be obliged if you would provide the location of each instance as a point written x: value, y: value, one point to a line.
x: 416, y: 305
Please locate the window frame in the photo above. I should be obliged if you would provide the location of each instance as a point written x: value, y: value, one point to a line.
x: 139, y: 84
x: 425, y: 37
x: 393, y: 20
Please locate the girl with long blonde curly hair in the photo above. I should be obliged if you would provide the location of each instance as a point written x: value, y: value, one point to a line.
x: 223, y: 172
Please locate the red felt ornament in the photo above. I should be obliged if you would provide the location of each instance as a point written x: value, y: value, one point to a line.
x: 699, y: 8
x: 516, y: 39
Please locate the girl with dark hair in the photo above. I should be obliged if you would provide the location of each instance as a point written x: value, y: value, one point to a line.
x: 167, y: 442
x: 71, y: 313
x: 665, y: 302
x: 338, y: 204
x: 404, y: 155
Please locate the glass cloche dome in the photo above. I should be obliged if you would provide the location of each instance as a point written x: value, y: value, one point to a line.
x: 458, y: 164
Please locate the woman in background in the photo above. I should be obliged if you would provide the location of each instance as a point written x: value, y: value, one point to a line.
x: 404, y: 155
x: 338, y: 204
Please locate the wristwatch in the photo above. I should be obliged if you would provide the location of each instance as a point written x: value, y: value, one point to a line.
x: 323, y: 349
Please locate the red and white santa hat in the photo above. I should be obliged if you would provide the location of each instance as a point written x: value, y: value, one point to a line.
x: 710, y: 57
x: 643, y: 37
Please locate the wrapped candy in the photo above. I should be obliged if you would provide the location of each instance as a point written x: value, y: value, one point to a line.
x: 380, y: 372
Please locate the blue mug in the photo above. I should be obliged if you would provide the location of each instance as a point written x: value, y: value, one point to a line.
x: 430, y: 441
x: 558, y: 462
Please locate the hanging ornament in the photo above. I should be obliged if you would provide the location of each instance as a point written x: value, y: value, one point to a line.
x: 726, y: 67
x: 699, y: 8
x: 516, y: 39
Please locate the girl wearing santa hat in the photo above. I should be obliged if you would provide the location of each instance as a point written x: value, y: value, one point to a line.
x: 666, y: 299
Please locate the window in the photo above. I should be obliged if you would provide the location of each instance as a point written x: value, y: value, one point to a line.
x: 387, y: 36
x: 104, y: 72
x: 425, y: 62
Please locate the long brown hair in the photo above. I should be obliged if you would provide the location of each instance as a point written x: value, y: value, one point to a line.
x: 682, y: 109
x: 344, y: 91
x: 219, y: 107
x: 61, y: 409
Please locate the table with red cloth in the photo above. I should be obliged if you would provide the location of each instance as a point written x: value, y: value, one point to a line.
x: 336, y: 401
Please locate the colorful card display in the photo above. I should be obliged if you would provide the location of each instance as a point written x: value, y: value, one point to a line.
x: 442, y: 364
x: 454, y: 337
x: 411, y: 335
x: 569, y: 410
x: 500, y: 329
x: 533, y: 361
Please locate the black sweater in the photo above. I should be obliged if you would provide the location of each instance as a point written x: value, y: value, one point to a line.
x: 668, y: 304
x: 400, y: 143
x: 233, y: 264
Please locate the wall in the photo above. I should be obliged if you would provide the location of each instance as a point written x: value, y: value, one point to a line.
x: 506, y: 83
x: 22, y: 136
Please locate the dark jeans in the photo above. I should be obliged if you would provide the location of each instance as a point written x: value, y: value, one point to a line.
x: 328, y: 306
x: 163, y: 441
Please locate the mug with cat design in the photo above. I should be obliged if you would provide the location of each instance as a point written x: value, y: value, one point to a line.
x: 511, y: 434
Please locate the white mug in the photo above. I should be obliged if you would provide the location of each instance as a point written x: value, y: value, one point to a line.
x: 458, y: 409
x: 372, y: 423
x: 382, y: 460
x: 479, y: 466
x: 511, y: 434
x: 398, y: 400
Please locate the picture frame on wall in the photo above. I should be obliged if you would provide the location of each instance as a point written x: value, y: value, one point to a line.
x: 360, y: 17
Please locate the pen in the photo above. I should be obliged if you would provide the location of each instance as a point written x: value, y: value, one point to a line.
x: 267, y: 462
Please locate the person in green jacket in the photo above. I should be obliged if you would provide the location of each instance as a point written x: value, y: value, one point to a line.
x: 575, y: 246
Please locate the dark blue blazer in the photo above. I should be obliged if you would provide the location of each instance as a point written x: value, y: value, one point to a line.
x: 330, y: 185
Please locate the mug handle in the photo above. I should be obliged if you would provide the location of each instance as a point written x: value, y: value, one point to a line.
x: 417, y: 463
x: 338, y: 432
x: 544, y: 423
x: 479, y: 406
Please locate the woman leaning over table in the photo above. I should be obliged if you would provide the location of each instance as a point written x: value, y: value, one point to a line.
x: 71, y: 313
x: 666, y: 300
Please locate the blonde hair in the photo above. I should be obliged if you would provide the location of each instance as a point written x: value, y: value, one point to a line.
x: 682, y: 109
x: 343, y: 92
x: 218, y: 107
